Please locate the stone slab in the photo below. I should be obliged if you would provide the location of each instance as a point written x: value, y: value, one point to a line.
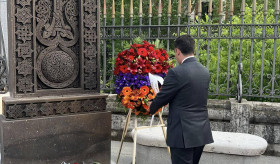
x: 73, y: 138
x: 237, y: 143
x: 224, y: 142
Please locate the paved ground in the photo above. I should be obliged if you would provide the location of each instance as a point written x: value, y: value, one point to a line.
x: 126, y: 154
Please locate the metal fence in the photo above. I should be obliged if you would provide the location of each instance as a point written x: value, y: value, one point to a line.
x: 3, y: 64
x: 223, y: 40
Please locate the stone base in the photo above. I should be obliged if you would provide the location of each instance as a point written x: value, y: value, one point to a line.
x: 52, y: 140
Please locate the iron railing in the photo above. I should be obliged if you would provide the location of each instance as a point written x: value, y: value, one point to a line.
x: 249, y: 38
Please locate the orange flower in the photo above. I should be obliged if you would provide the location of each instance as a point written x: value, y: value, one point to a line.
x: 144, y: 90
x: 138, y: 103
x: 137, y: 112
x: 130, y: 105
x: 126, y: 91
x: 125, y: 100
x: 134, y: 96
x: 151, y: 96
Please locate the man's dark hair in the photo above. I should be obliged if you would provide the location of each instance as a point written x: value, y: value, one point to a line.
x: 185, y: 44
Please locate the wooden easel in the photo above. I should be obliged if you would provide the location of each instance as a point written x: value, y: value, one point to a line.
x: 135, y: 134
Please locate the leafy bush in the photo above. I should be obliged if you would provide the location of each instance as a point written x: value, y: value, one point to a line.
x: 229, y: 68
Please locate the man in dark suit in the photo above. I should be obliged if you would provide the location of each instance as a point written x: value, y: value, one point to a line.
x: 185, y: 88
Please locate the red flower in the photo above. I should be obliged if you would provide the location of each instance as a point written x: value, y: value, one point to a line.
x: 146, y: 44
x: 162, y: 59
x: 130, y: 58
x: 162, y: 51
x: 147, y: 69
x: 119, y: 61
x: 140, y: 62
x: 142, y: 52
x: 133, y: 68
x: 131, y: 50
x: 151, y: 49
x: 158, y: 68
x: 138, y: 45
x: 123, y: 68
x: 158, y: 54
x: 165, y: 69
x: 166, y: 56
x: 116, y: 71
x: 122, y: 54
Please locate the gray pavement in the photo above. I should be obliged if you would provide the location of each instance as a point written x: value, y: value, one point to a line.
x: 126, y: 154
x: 207, y: 158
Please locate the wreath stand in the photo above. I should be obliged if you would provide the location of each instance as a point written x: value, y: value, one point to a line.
x: 135, y: 133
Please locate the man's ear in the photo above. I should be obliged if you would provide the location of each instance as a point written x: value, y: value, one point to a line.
x: 177, y: 51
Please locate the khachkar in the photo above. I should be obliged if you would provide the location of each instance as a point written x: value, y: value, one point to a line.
x: 55, y: 113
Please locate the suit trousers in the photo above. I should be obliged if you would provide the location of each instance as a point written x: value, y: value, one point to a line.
x: 186, y: 155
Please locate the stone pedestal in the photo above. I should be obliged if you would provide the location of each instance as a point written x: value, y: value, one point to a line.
x: 53, y: 129
x: 55, y: 112
x: 70, y: 138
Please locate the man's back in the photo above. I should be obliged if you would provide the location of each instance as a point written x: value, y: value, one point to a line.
x: 188, y: 115
x: 185, y: 88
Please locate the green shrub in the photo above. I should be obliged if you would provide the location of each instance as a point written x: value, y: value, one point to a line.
x: 246, y: 55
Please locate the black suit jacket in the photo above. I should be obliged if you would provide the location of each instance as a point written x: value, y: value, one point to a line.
x: 185, y: 88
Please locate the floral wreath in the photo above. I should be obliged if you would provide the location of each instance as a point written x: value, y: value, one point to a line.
x: 131, y: 75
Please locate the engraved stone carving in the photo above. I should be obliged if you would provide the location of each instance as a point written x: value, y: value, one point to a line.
x: 91, y: 66
x: 31, y: 110
x: 24, y: 15
x: 99, y: 105
x: 24, y: 2
x: 24, y: 50
x: 88, y: 105
x: 58, y: 69
x: 90, y: 81
x: 90, y: 36
x: 58, y: 65
x: 14, y: 111
x: 55, y: 48
x: 61, y: 107
x: 90, y: 20
x: 47, y: 109
x: 90, y: 51
x: 24, y: 33
x: 25, y: 67
x: 25, y: 84
x: 75, y: 106
x: 90, y: 6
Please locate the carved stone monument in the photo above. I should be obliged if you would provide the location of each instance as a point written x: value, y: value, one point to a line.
x: 55, y: 112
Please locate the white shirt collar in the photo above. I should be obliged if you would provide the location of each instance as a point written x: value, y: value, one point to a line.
x: 187, y: 58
